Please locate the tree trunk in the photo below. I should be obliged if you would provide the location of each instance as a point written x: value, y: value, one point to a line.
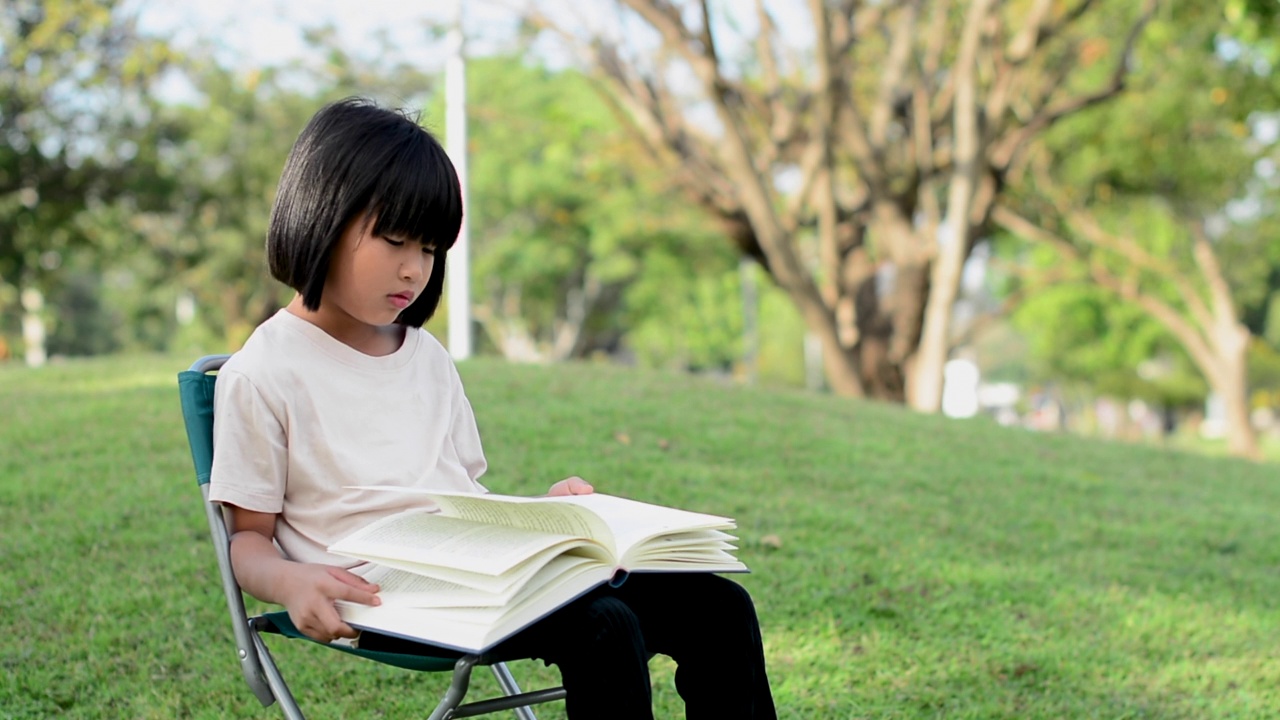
x: 912, y: 288
x: 1229, y: 379
x: 840, y: 363
x: 864, y: 370
x: 924, y: 391
x: 858, y: 337
x: 843, y: 374
x: 881, y: 376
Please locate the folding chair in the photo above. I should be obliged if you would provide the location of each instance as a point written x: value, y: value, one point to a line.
x: 196, y: 388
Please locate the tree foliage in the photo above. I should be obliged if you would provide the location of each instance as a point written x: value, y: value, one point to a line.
x: 1163, y: 201
x: 579, y: 237
x: 206, y: 249
x: 78, y: 131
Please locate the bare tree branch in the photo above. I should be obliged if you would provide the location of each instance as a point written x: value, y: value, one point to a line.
x: 1048, y: 32
x: 893, y: 73
x: 1007, y: 148
x: 1032, y: 34
x: 1011, y: 65
x: 824, y: 188
x: 851, y: 127
x: 816, y: 156
x: 922, y: 122
x: 665, y: 18
x: 1207, y: 262
x: 767, y: 51
x: 708, y: 40
x: 1134, y: 253
x: 1186, y: 333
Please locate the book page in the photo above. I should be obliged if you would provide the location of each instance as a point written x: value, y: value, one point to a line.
x: 408, y: 589
x: 474, y: 629
x: 707, y: 550
x: 624, y: 524
x: 635, y: 523
x: 542, y: 514
x: 527, y: 513
x: 507, y: 582
x: 427, y: 538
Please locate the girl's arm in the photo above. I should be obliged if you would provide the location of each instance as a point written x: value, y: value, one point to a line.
x: 307, y: 590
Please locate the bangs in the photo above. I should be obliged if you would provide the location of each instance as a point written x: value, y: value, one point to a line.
x: 416, y: 194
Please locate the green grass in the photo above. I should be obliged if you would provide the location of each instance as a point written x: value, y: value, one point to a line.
x: 904, y: 566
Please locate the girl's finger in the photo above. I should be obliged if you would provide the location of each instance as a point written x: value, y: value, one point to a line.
x: 352, y: 579
x: 355, y: 594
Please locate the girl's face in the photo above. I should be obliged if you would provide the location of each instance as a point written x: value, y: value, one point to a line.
x: 372, y: 278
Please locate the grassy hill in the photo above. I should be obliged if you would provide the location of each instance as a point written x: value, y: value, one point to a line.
x: 904, y: 566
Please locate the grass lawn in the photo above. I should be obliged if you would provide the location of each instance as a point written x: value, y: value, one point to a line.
x: 904, y: 566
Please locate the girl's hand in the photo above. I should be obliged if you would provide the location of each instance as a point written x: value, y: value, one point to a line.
x: 310, y: 591
x: 571, y: 486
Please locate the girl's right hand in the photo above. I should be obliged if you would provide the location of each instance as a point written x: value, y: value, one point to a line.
x: 309, y: 591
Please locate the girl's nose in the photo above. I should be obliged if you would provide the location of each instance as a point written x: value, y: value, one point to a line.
x: 413, y: 269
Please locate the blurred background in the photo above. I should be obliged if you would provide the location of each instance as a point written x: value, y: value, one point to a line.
x: 1058, y: 214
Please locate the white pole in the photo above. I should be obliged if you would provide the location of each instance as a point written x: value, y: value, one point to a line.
x: 455, y: 128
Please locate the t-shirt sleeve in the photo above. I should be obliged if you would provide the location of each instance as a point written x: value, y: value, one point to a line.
x: 250, y: 448
x: 466, y: 436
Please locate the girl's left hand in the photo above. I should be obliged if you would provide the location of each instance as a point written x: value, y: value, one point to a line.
x: 571, y: 486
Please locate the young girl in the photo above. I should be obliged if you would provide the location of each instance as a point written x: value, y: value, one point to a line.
x: 343, y: 388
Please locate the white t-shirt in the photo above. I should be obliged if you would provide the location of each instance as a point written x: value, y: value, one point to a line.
x: 299, y: 416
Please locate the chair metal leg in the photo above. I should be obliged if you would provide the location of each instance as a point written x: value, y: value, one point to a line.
x: 450, y: 707
x: 276, y: 681
x: 457, y: 689
x: 511, y: 687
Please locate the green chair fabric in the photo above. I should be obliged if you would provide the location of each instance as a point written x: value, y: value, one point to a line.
x: 281, y: 624
x: 196, y: 391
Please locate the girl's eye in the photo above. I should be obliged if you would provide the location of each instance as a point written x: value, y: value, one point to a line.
x: 393, y: 242
x: 427, y: 249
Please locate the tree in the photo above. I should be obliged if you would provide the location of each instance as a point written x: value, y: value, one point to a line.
x: 78, y: 131
x: 859, y: 159
x: 242, y: 125
x: 1078, y: 335
x: 578, y: 237
x: 1156, y: 200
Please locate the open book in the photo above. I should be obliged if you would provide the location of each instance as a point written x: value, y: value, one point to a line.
x: 482, y: 567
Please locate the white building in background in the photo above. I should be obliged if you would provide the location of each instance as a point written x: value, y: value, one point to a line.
x: 1214, y: 426
x: 184, y: 308
x: 960, y: 388
x: 1001, y: 401
x: 33, y: 329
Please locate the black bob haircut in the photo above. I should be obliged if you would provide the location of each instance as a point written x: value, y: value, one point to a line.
x: 352, y: 158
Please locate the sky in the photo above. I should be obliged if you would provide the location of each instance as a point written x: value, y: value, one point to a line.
x: 256, y: 33
x: 270, y: 32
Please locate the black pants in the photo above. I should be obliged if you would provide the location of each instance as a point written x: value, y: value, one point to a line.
x: 603, y: 640
x: 602, y: 643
